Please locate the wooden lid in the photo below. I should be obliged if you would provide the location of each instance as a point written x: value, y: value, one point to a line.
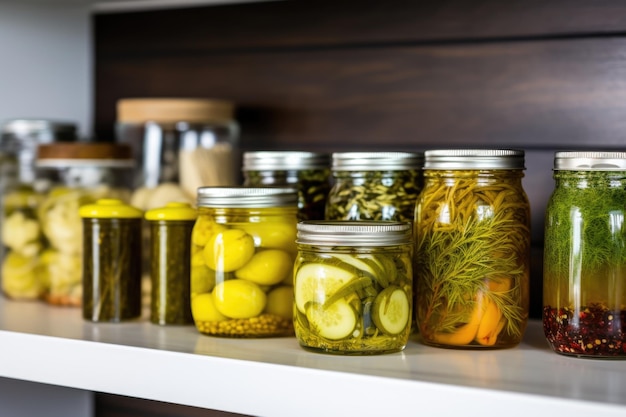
x: 165, y: 110
x: 84, y: 150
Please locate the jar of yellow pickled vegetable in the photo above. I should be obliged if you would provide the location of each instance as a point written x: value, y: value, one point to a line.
x: 353, y: 286
x: 242, y: 253
x: 472, y: 257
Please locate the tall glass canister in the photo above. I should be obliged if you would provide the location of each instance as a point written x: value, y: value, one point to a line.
x: 472, y: 259
x: 584, y: 290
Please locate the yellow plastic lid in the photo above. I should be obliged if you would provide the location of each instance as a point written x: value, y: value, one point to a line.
x: 110, y: 208
x: 172, y: 211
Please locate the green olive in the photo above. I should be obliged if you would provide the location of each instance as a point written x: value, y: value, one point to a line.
x: 275, y: 235
x: 267, y: 267
x: 280, y: 302
x: 203, y: 309
x: 204, y: 228
x: 202, y: 279
x: 239, y: 299
x: 228, y: 250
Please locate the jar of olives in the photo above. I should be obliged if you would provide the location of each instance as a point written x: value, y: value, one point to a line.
x: 170, y: 242
x: 111, y: 261
x: 353, y: 286
x: 584, y: 270
x: 242, y: 254
x: 309, y: 172
x: 472, y: 257
x: 374, y: 186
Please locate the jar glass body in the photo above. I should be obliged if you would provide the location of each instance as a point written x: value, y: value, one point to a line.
x: 111, y: 269
x: 353, y: 300
x: 374, y: 195
x: 313, y: 186
x: 170, y: 273
x: 584, y: 292
x: 472, y: 260
x: 241, y: 271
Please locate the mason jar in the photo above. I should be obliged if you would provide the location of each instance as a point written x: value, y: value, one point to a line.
x: 242, y: 253
x: 309, y: 172
x: 472, y: 256
x: 170, y: 247
x: 374, y: 186
x: 111, y: 261
x: 584, y: 271
x: 353, y: 286
x: 77, y: 174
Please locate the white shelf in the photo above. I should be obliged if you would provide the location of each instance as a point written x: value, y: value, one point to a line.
x: 275, y: 377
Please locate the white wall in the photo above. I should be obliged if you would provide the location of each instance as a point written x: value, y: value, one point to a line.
x: 46, y: 61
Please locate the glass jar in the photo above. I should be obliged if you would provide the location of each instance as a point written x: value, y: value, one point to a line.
x: 170, y: 228
x: 374, y: 186
x: 472, y: 257
x: 309, y: 172
x: 23, y: 244
x: 111, y: 261
x: 243, y: 249
x: 187, y: 142
x: 353, y: 286
x: 584, y: 271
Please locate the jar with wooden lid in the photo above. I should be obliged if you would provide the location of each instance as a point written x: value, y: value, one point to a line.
x: 183, y: 141
x: 584, y: 270
x: 78, y: 173
x: 309, y: 172
x: 111, y: 261
x: 353, y: 286
x: 472, y: 257
x: 170, y: 247
x: 374, y: 185
x: 243, y: 249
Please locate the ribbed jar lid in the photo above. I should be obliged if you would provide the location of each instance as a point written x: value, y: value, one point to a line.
x: 353, y: 233
x: 376, y: 161
x: 454, y: 159
x: 284, y: 161
x: 28, y: 126
x: 589, y: 161
x: 247, y: 197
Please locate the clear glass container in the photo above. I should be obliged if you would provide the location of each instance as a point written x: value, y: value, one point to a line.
x: 309, y: 172
x: 170, y: 232
x: 78, y: 174
x: 187, y: 142
x: 374, y: 186
x: 353, y: 286
x: 243, y: 249
x: 584, y: 271
x: 24, y: 248
x: 111, y: 261
x: 472, y: 257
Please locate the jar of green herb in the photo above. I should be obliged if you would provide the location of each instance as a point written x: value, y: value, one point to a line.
x: 308, y: 172
x: 374, y: 185
x: 111, y: 261
x: 170, y: 245
x: 472, y: 259
x: 584, y: 271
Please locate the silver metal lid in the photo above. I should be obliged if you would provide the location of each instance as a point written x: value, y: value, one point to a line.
x: 26, y: 127
x: 247, y: 197
x: 376, y: 161
x: 453, y: 159
x: 353, y: 233
x: 284, y: 161
x: 589, y: 161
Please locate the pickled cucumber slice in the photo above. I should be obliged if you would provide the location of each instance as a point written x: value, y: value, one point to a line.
x: 316, y: 282
x: 362, y: 267
x: 334, y: 322
x: 391, y: 310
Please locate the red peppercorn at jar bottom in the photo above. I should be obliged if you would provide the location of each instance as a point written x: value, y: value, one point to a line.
x: 591, y: 331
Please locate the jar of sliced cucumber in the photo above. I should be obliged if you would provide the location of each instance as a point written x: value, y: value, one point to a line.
x: 352, y: 286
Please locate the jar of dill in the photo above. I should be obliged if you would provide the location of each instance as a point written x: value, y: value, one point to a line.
x: 584, y: 271
x: 374, y: 185
x: 472, y: 260
x: 308, y: 172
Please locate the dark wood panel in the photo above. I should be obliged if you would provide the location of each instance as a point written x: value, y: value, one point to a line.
x: 330, y: 22
x: 558, y: 93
